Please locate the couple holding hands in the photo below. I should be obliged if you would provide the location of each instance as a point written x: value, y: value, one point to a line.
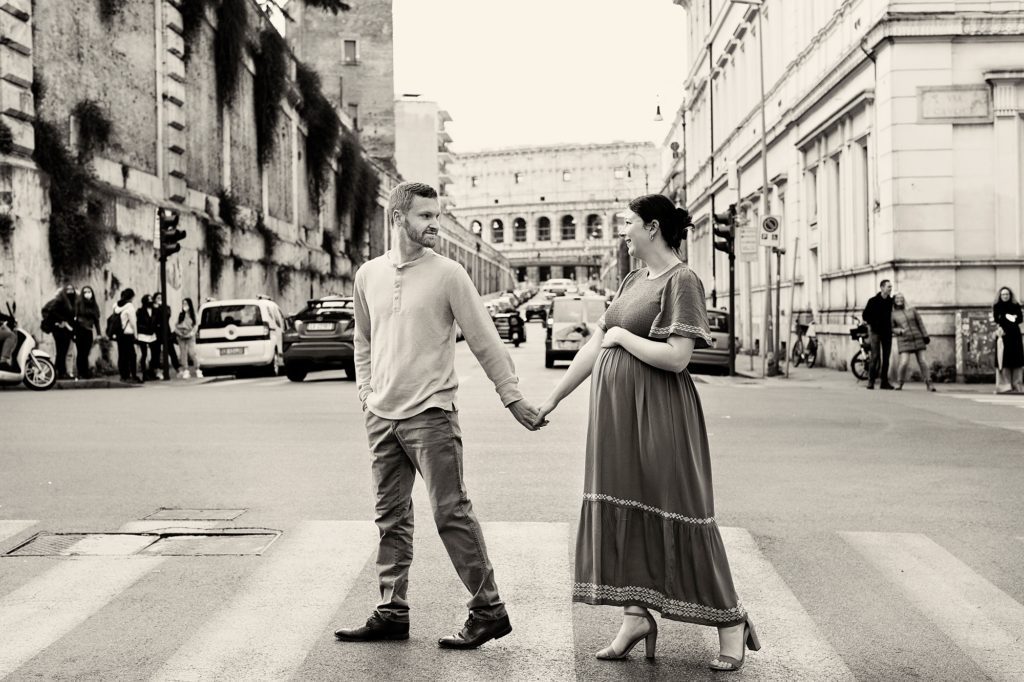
x: 648, y: 538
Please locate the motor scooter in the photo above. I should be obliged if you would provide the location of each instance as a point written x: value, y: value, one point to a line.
x: 32, y: 366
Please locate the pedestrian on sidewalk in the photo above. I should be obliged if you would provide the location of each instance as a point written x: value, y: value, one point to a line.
x: 59, y: 321
x: 185, y: 332
x: 878, y: 317
x: 127, y: 361
x: 162, y: 314
x: 8, y: 340
x: 407, y: 302
x: 912, y: 340
x: 648, y: 539
x: 87, y: 319
x: 145, y: 337
x: 1009, y: 345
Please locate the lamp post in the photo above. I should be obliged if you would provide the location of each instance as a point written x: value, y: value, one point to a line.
x: 769, y: 346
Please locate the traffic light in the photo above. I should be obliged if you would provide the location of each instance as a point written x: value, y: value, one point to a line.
x: 727, y: 233
x: 170, y: 235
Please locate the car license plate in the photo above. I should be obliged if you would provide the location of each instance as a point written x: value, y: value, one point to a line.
x: 320, y: 326
x: 235, y: 350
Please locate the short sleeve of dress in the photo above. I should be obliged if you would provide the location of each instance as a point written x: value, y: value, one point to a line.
x: 683, y: 310
x: 601, y: 322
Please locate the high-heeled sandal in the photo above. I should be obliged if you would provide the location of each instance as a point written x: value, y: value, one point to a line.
x: 728, y: 664
x: 650, y: 641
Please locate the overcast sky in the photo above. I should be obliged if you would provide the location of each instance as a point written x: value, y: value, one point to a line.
x: 543, y: 71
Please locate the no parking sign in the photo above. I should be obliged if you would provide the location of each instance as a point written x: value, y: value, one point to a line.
x: 771, y: 231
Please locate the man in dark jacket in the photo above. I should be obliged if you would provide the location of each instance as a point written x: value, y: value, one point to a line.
x: 878, y: 317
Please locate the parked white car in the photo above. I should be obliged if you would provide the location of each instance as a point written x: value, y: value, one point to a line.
x: 240, y: 334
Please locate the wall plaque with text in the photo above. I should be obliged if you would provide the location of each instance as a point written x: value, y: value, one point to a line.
x: 954, y: 104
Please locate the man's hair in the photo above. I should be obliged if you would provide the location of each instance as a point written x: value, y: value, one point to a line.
x: 883, y: 283
x: 401, y: 196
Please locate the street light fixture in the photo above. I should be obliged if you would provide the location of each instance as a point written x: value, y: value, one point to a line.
x: 769, y: 346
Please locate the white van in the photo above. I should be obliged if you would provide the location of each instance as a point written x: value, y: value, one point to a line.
x: 240, y: 334
x: 572, y: 321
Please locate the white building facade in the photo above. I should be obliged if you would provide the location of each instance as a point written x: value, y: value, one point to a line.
x: 552, y: 211
x: 422, y: 153
x: 895, y: 134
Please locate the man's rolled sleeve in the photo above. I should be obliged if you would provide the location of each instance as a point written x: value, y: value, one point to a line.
x: 482, y: 336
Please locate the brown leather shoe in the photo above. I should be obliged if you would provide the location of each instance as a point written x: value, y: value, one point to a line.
x: 376, y: 628
x: 475, y: 632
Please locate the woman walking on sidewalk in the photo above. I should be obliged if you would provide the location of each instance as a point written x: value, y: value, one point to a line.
x: 185, y: 331
x: 87, y: 318
x: 648, y: 538
x: 126, y: 358
x: 1009, y: 346
x: 145, y: 337
x: 912, y: 339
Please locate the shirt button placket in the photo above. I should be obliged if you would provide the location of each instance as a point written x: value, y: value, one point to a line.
x: 396, y: 301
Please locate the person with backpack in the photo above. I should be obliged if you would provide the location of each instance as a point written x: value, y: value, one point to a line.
x: 123, y: 324
x: 87, y: 318
x: 185, y: 331
x: 162, y: 316
x: 59, y: 322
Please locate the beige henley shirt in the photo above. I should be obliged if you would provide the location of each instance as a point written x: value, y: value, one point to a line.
x: 405, y: 336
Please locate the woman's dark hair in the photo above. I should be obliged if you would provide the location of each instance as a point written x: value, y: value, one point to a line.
x: 146, y: 300
x: 191, y: 311
x: 672, y: 220
x: 127, y: 295
x: 999, y: 295
x: 84, y: 304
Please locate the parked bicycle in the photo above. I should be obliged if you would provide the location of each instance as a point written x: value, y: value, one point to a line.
x: 861, y: 360
x: 804, y: 352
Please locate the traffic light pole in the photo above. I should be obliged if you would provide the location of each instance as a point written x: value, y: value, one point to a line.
x: 165, y: 325
x: 732, y: 313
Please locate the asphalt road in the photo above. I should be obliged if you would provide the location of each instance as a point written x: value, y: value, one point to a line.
x: 873, y: 535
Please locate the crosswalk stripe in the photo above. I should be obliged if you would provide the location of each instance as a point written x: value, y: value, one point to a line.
x: 8, y: 529
x: 531, y: 563
x: 980, y: 618
x: 269, y: 627
x: 52, y: 605
x: 793, y: 644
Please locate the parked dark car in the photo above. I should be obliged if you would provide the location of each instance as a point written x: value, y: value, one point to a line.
x: 716, y: 357
x: 511, y: 327
x: 320, y: 337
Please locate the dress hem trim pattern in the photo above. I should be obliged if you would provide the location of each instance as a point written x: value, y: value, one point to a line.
x: 600, y: 497
x: 684, y: 329
x: 674, y: 609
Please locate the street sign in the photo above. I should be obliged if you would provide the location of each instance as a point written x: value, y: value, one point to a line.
x: 771, y: 231
x: 746, y: 242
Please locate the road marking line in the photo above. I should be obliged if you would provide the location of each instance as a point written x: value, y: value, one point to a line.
x: 980, y: 618
x: 8, y: 529
x: 268, y: 629
x: 792, y: 641
x: 232, y: 382
x: 531, y: 563
x: 52, y: 605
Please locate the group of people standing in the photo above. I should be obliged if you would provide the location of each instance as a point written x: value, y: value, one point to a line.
x: 73, y: 316
x: 888, y: 315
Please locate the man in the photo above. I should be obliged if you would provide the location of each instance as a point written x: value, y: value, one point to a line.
x: 407, y: 302
x: 878, y: 317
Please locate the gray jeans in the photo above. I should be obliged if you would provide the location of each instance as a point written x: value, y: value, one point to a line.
x: 431, y: 443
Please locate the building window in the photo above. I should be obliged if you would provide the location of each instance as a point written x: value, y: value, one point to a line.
x: 518, y: 177
x: 353, y: 113
x: 544, y: 273
x: 543, y: 229
x: 351, y: 52
x: 521, y: 274
x: 568, y: 228
x: 519, y: 230
x: 476, y: 227
x: 595, y: 226
x: 812, y: 196
x: 497, y: 231
x: 865, y: 202
x: 569, y: 272
x: 472, y: 181
x: 566, y: 176
x: 835, y: 213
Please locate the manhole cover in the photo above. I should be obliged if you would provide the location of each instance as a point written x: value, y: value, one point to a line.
x: 149, y: 544
x: 167, y: 514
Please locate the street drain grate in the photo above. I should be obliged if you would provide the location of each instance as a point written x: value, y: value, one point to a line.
x: 213, y: 543
x: 168, y: 514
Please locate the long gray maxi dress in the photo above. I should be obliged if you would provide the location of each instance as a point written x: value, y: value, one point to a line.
x: 648, y: 534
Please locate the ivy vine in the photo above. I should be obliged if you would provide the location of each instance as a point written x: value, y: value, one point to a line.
x: 192, y: 14
x: 334, y: 6
x: 269, y: 88
x: 284, y: 278
x: 329, y: 245
x: 94, y: 128
x: 358, y: 185
x: 322, y: 129
x: 229, y: 47
x: 110, y: 9
x: 269, y: 240
x: 213, y: 238
x: 6, y: 138
x: 6, y: 229
x: 227, y: 208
